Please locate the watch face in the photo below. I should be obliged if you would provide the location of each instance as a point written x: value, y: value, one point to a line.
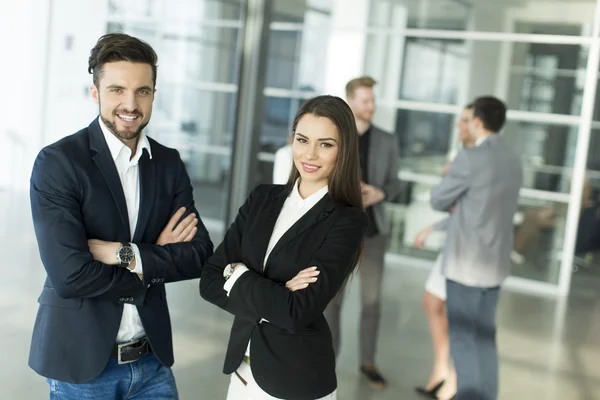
x: 126, y: 254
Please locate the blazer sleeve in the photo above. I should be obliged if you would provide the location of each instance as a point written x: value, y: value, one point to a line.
x: 62, y: 237
x: 212, y: 282
x: 178, y: 261
x: 454, y: 185
x: 261, y: 297
x: 441, y: 225
x: 393, y: 187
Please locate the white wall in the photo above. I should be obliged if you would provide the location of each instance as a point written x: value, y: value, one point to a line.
x: 347, y: 44
x: 44, y: 77
x: 75, y: 26
x: 23, y: 25
x: 484, y: 61
x: 384, y: 60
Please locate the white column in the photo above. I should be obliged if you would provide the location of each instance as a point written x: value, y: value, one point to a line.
x: 385, y: 59
x: 347, y: 44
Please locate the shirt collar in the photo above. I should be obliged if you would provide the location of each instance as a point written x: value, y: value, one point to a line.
x: 116, y: 146
x: 311, y: 200
x: 480, y: 140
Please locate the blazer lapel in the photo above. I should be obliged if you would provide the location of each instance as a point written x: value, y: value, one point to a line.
x: 147, y: 193
x: 320, y: 211
x: 107, y: 167
x: 262, y: 240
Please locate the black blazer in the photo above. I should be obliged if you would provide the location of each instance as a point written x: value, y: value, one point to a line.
x: 76, y: 195
x: 291, y: 356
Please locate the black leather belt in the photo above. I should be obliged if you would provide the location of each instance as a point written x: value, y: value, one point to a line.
x: 130, y: 352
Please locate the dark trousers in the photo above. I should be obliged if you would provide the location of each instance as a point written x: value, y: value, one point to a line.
x: 472, y: 326
x: 371, y: 275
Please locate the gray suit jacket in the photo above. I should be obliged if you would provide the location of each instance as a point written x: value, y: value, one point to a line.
x: 382, y: 172
x: 483, y: 183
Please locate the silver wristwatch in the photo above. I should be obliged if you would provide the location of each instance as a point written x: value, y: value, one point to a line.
x: 229, y: 269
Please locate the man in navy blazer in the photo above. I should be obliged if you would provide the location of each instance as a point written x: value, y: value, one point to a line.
x: 115, y: 220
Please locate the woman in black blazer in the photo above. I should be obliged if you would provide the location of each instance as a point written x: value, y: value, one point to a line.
x: 288, y: 253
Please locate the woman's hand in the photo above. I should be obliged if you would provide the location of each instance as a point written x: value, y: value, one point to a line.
x: 303, y: 279
x: 422, y: 237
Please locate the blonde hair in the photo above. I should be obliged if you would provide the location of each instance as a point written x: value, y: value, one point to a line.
x: 363, y: 81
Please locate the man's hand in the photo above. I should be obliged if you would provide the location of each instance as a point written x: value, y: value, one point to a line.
x: 303, y: 279
x: 105, y: 252
x: 177, y: 233
x: 446, y: 169
x: 371, y: 195
x: 422, y: 237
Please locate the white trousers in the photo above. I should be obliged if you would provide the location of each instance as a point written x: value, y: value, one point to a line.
x: 251, y: 391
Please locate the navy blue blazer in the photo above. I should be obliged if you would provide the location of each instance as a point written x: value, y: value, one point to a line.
x: 76, y: 195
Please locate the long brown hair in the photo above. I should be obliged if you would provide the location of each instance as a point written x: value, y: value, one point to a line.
x: 344, y: 182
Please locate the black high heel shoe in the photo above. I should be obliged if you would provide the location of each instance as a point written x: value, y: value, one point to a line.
x: 430, y: 393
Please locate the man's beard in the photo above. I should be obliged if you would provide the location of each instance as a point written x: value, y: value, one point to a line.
x: 123, y: 135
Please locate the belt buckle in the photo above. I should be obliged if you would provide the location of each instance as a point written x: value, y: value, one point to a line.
x: 122, y: 345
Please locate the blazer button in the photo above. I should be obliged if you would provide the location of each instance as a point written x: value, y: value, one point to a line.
x: 121, y: 299
x: 131, y: 299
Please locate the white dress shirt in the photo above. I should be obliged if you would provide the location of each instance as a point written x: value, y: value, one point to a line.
x: 131, y: 325
x: 479, y: 141
x: 282, y: 165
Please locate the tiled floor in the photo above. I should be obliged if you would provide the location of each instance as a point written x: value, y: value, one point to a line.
x: 549, y: 349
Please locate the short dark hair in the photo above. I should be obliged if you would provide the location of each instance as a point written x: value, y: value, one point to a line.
x: 491, y: 111
x: 120, y: 47
x: 363, y: 81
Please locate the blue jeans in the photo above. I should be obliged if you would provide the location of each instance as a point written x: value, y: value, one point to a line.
x: 472, y: 327
x: 146, y: 379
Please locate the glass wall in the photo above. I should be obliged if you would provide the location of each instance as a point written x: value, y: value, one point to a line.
x: 430, y: 58
x: 198, y: 44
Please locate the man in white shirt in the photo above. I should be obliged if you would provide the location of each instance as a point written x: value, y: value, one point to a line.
x: 114, y: 217
x: 282, y: 167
